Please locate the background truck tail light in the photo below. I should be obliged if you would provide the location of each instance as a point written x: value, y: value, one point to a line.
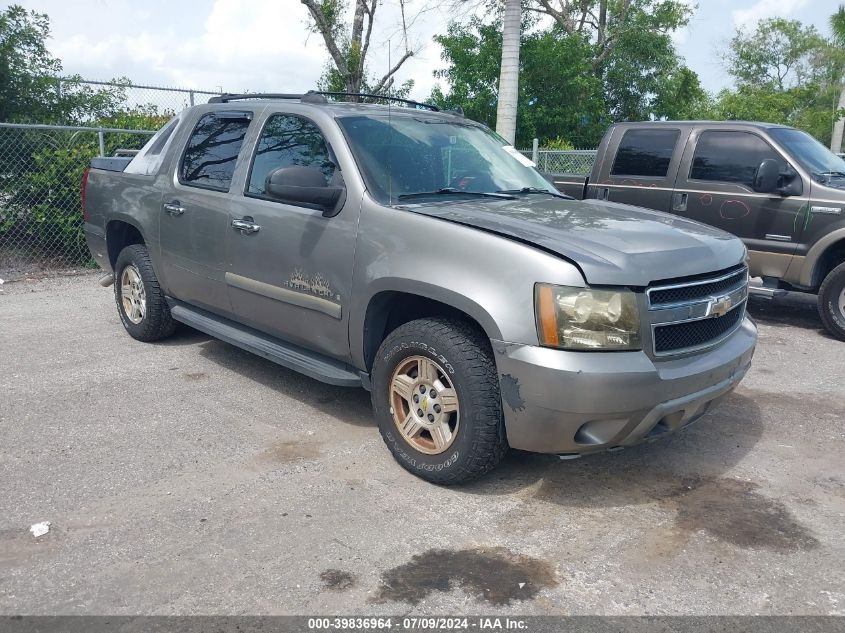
x: 82, y: 195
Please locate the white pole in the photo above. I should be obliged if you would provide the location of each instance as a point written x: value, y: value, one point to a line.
x: 509, y: 77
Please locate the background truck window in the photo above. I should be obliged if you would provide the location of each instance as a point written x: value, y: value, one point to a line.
x: 212, y: 151
x: 286, y: 141
x: 726, y: 156
x: 645, y: 153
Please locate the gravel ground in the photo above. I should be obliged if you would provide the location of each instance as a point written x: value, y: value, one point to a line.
x: 189, y: 477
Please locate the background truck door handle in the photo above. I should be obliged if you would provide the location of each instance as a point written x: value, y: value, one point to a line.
x: 245, y: 225
x: 604, y: 193
x: 174, y: 208
x: 679, y: 202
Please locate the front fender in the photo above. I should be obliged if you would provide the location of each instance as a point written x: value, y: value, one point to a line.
x: 488, y: 277
x: 810, y: 262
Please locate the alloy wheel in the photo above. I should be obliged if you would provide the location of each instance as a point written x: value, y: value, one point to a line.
x: 424, y: 405
x: 132, y: 294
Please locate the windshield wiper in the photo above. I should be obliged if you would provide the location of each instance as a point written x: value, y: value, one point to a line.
x: 556, y: 194
x: 829, y: 174
x: 445, y: 191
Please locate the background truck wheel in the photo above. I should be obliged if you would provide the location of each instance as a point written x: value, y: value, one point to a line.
x: 436, y: 400
x: 832, y: 302
x: 140, y: 302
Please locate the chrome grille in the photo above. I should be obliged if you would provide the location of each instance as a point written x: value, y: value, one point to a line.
x: 697, y: 313
x: 698, y: 289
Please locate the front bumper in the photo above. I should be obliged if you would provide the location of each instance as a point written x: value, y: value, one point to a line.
x: 565, y: 402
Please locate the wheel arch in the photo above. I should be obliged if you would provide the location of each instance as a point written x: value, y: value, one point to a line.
x: 389, y: 307
x: 823, y: 257
x: 121, y: 233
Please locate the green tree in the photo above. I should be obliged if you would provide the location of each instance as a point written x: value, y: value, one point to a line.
x: 29, y: 90
x: 571, y: 85
x: 555, y: 99
x: 27, y: 69
x: 779, y: 53
x: 630, y: 48
x: 785, y: 72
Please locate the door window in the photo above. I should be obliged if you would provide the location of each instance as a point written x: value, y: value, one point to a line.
x: 212, y: 151
x: 288, y: 141
x: 645, y: 153
x: 726, y: 156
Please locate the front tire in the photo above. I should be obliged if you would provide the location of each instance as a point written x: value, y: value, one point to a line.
x: 140, y: 301
x: 436, y: 400
x: 832, y: 302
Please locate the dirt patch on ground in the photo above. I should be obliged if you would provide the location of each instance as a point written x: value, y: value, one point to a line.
x: 337, y: 580
x: 289, y: 451
x: 495, y: 575
x: 19, y: 544
x: 733, y: 511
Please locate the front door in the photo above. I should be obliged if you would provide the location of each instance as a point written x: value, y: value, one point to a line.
x: 194, y: 214
x: 289, y: 271
x: 715, y: 187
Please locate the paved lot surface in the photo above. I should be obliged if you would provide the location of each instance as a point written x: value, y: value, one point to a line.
x: 190, y: 477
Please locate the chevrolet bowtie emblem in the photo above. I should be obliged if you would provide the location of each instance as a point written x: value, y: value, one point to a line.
x: 721, y: 306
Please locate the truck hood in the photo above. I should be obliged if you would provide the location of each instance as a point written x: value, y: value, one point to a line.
x: 613, y: 244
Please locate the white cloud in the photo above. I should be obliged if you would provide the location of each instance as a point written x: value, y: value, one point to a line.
x: 258, y: 45
x: 763, y: 9
x: 261, y: 45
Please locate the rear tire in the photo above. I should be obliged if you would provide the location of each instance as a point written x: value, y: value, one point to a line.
x: 443, y: 368
x: 140, y: 301
x: 832, y: 302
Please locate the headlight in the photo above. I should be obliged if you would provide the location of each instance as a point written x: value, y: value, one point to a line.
x: 581, y: 318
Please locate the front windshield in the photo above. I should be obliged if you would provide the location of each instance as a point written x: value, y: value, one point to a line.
x: 824, y: 166
x: 411, y: 155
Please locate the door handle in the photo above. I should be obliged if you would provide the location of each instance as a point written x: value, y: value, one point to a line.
x: 604, y: 193
x: 174, y: 208
x: 245, y: 225
x: 679, y: 202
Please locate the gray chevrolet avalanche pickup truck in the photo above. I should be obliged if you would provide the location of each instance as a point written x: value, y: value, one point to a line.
x: 414, y: 253
x: 776, y: 187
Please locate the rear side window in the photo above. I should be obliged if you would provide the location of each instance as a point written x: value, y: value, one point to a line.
x: 645, y: 153
x: 726, y: 156
x: 212, y: 151
x: 286, y: 141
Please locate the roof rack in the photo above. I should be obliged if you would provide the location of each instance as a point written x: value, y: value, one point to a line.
x: 313, y: 96
x: 229, y: 96
x: 416, y: 104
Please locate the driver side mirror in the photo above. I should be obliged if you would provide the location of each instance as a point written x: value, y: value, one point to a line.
x: 304, y: 186
x: 766, y: 178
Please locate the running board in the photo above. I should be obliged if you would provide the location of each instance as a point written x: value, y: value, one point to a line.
x: 287, y: 355
x: 766, y: 292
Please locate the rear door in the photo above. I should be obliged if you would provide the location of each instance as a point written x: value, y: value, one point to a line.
x: 194, y: 215
x: 642, y: 172
x: 715, y: 187
x: 292, y: 277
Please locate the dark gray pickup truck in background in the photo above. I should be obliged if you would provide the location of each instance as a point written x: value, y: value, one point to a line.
x: 777, y: 188
x: 414, y: 253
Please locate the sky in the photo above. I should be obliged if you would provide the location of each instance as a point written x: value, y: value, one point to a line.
x: 265, y: 45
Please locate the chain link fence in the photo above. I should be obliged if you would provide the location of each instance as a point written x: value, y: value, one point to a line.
x: 41, y: 170
x: 165, y: 100
x: 563, y: 161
